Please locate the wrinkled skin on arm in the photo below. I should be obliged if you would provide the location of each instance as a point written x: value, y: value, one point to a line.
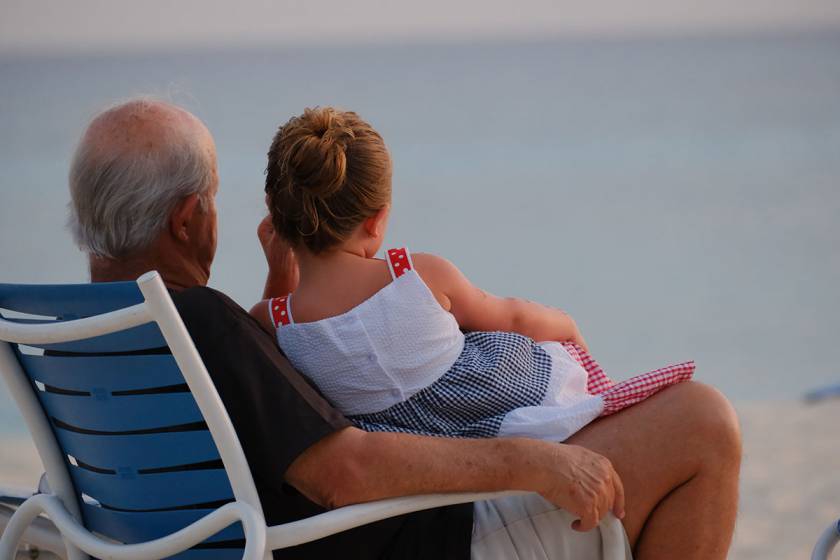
x: 353, y: 466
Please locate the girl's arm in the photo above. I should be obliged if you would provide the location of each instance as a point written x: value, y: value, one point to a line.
x: 477, y: 310
x: 283, y: 273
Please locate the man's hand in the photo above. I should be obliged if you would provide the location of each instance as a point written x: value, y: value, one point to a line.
x: 583, y: 483
x: 283, y: 273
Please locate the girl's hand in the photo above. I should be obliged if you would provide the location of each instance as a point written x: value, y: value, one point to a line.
x: 577, y: 337
x: 283, y: 274
x: 275, y: 249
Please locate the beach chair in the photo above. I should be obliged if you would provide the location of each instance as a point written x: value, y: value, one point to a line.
x: 140, y: 454
x: 827, y: 542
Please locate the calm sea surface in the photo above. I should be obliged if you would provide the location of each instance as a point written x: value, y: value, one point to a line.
x: 680, y: 197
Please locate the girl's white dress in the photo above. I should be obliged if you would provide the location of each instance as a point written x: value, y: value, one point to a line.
x: 399, y: 362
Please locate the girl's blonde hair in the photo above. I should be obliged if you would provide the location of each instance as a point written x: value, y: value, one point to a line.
x: 328, y: 170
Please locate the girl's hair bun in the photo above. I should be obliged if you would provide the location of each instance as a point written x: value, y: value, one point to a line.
x: 328, y: 170
x: 317, y: 155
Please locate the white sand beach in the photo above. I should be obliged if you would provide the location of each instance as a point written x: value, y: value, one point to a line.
x: 790, y: 480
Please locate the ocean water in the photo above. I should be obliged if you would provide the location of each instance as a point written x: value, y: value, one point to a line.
x: 680, y: 197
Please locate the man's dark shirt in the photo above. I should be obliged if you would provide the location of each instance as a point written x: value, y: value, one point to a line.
x: 277, y: 415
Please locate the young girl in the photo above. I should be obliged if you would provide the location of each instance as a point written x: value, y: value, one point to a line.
x: 407, y: 343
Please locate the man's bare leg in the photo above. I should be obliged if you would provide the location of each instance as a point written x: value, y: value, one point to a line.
x: 678, y: 454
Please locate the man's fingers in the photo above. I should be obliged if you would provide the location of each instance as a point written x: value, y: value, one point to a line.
x: 595, y: 491
x: 587, y: 522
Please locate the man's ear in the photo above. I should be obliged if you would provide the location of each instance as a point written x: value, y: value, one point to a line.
x: 375, y: 225
x: 182, y: 216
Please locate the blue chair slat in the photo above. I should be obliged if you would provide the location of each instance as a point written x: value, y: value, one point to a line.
x: 67, y: 300
x: 134, y: 527
x: 143, y: 337
x: 109, y: 373
x: 122, y: 414
x: 209, y: 554
x: 150, y: 451
x: 129, y: 490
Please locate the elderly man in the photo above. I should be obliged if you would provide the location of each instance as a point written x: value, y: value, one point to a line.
x: 143, y: 184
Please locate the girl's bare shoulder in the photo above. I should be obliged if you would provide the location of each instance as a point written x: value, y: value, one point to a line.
x: 260, y: 313
x: 435, y: 267
x: 439, y: 274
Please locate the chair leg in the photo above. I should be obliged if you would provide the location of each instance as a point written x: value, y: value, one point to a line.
x: 16, y: 526
x: 77, y: 536
x: 41, y: 535
x: 34, y: 553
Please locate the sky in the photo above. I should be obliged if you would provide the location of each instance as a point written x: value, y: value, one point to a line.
x: 104, y: 25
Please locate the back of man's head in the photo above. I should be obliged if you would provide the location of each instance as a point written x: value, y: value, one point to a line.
x: 133, y: 165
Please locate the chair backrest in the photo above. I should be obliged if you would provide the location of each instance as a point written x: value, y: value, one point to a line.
x: 141, y: 458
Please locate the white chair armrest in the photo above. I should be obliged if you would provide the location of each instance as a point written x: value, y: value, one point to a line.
x: 348, y: 517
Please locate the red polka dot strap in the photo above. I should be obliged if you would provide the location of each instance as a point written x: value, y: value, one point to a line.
x: 399, y: 262
x: 278, y: 310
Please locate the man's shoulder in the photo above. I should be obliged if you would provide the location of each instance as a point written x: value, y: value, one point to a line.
x: 204, y: 301
x: 227, y: 337
x: 199, y: 296
x: 209, y: 313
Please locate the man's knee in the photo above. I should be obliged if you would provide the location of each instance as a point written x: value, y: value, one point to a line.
x: 713, y: 420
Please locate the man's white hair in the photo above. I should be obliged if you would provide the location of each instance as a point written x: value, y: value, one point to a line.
x: 121, y: 199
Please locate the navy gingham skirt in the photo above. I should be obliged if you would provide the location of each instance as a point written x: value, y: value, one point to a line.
x: 496, y: 373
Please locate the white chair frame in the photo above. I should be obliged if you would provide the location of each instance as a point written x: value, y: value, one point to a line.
x: 61, y: 505
x: 828, y: 540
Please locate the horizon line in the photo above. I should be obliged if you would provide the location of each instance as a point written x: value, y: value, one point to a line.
x: 108, y: 50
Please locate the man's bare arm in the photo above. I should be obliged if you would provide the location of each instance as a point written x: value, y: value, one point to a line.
x: 353, y: 466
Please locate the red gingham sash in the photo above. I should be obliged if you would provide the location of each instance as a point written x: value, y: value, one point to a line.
x: 279, y: 311
x: 399, y: 262
x: 618, y: 396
